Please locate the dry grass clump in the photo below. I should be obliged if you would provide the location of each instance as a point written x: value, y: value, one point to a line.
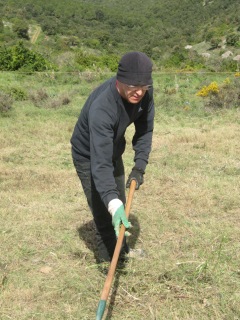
x: 42, y: 99
x: 5, y: 103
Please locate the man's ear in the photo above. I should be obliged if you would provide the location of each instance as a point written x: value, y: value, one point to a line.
x: 117, y: 86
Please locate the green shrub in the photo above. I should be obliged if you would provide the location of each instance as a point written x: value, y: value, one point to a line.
x: 17, y: 94
x: 232, y: 39
x: 19, y: 57
x: 20, y: 27
x: 174, y: 61
x: 228, y: 65
x: 87, y: 61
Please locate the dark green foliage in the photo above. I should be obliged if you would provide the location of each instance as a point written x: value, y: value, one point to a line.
x: 110, y: 28
x: 19, y: 57
x: 86, y: 61
x: 20, y: 27
x: 183, y: 59
x: 17, y: 94
x: 109, y: 61
x: 50, y: 26
x: 215, y: 43
x: 100, y: 15
x: 232, y: 39
x: 228, y: 65
x: 133, y: 23
x: 1, y: 26
x: 174, y: 61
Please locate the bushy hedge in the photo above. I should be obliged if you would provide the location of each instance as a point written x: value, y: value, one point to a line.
x: 93, y: 62
x: 19, y: 57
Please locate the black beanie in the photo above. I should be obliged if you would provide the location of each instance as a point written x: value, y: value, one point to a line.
x: 135, y: 68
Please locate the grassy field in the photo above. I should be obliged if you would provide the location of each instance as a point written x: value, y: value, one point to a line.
x: 186, y: 215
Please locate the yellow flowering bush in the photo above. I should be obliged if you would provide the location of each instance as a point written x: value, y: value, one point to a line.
x: 225, y: 95
x: 212, y: 88
x: 226, y: 81
x: 237, y: 74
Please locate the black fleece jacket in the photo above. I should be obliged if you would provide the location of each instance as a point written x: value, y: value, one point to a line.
x: 98, y: 135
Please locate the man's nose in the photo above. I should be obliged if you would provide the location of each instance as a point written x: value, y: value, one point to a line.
x: 139, y: 92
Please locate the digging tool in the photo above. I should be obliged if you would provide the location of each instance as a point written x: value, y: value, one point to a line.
x: 112, y: 268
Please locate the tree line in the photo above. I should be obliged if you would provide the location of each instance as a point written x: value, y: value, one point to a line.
x: 95, y: 29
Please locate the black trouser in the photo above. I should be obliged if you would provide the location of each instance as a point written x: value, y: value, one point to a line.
x: 105, y: 234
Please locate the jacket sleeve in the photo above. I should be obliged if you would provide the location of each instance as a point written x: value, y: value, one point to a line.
x: 101, y: 124
x: 142, y: 139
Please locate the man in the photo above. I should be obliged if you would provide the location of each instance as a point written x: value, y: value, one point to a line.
x: 98, y: 144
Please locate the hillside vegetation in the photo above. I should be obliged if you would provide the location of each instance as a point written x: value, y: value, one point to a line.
x: 80, y: 35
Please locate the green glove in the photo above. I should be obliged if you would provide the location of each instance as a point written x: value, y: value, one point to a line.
x: 118, y: 218
x: 116, y: 208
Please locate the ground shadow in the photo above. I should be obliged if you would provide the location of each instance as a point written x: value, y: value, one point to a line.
x: 135, y: 231
x: 87, y: 234
x: 111, y: 303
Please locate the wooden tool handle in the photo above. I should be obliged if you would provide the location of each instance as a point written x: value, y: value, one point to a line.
x: 112, y: 268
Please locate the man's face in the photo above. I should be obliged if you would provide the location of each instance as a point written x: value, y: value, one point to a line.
x: 132, y: 94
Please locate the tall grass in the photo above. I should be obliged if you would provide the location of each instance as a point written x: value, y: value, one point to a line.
x: 185, y: 215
